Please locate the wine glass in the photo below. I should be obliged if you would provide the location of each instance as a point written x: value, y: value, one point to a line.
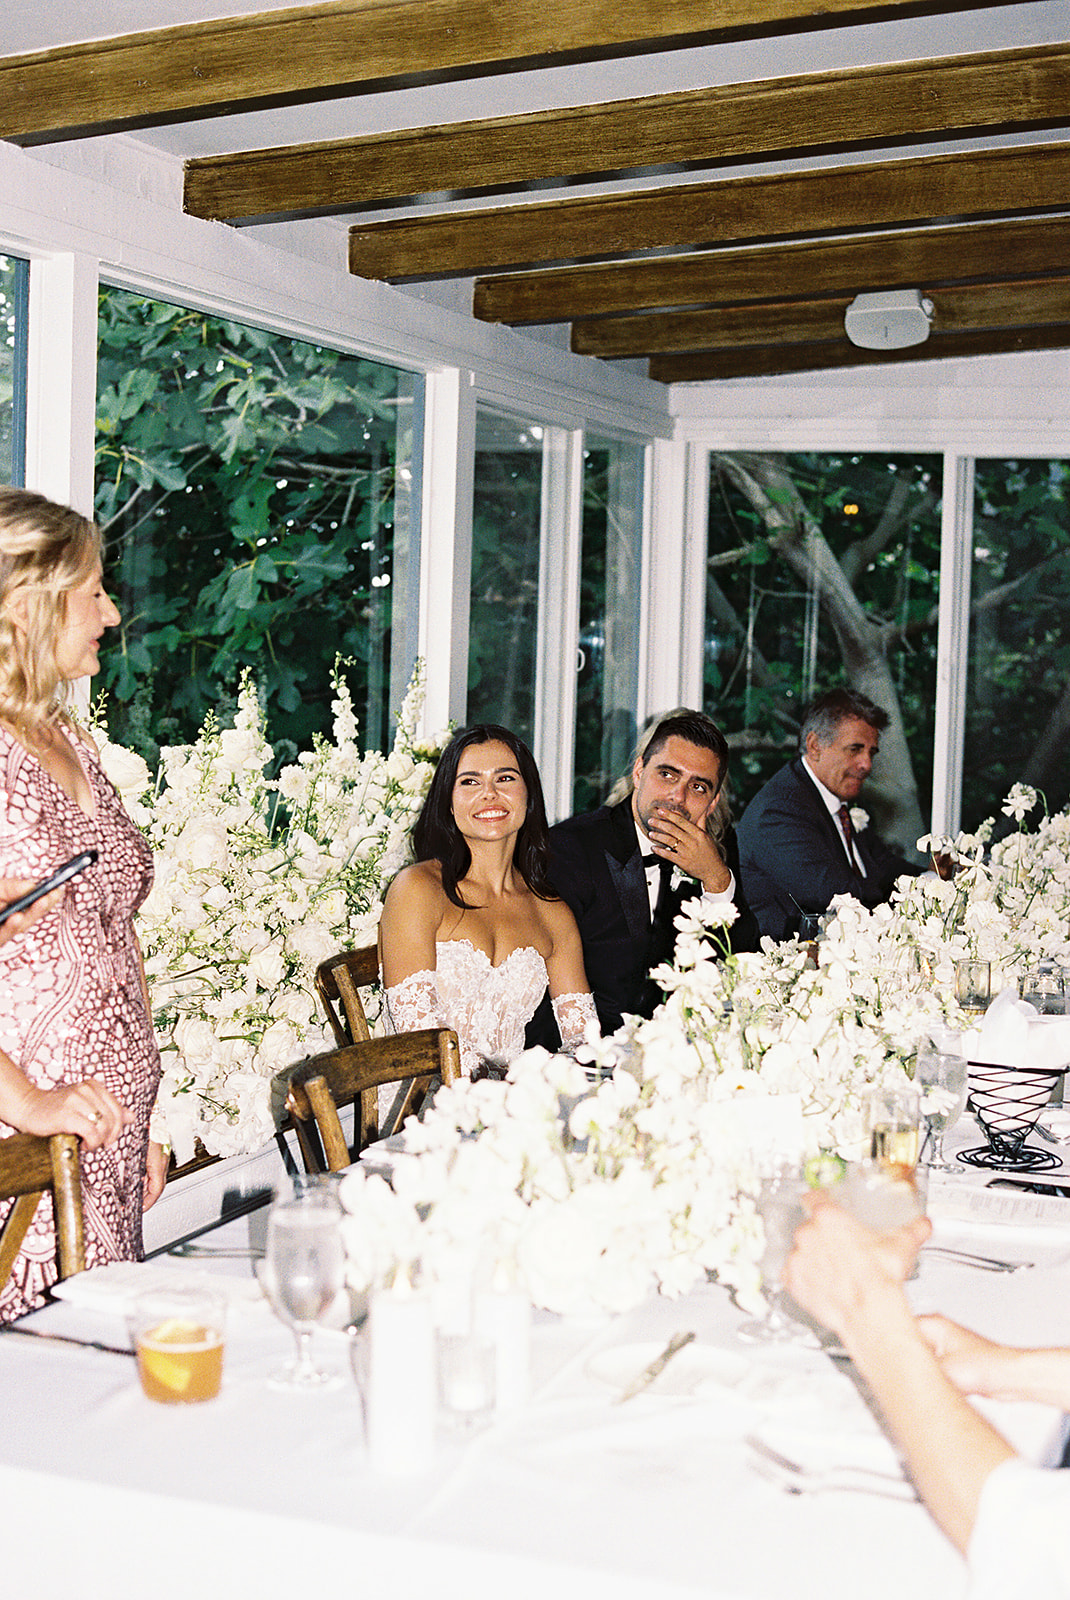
x: 941, y: 1077
x: 893, y: 1114
x: 302, y: 1272
x: 781, y: 1210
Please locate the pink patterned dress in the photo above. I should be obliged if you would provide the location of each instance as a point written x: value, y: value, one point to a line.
x: 71, y: 1002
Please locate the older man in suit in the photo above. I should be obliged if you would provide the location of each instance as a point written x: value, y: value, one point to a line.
x: 799, y: 845
x: 626, y: 869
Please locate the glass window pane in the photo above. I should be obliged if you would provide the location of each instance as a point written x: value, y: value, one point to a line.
x: 14, y: 290
x: 1018, y: 683
x: 608, y: 682
x: 506, y: 524
x: 824, y: 570
x: 254, y: 493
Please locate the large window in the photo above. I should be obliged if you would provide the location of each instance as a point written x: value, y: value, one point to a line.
x: 608, y: 665
x: 254, y: 491
x: 14, y: 287
x: 506, y: 526
x: 1018, y: 697
x: 824, y: 570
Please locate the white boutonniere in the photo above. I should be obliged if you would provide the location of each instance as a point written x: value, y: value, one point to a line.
x: 859, y: 819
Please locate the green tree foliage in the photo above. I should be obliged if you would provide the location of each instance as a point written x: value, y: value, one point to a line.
x: 824, y: 570
x: 245, y: 484
x: 1018, y: 716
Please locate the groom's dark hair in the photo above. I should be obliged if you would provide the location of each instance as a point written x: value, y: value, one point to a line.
x: 436, y: 836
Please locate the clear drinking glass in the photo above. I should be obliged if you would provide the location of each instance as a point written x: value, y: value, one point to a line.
x: 941, y: 1080
x: 781, y: 1210
x: 302, y: 1272
x: 894, y: 1114
x: 1044, y: 986
x: 973, y: 985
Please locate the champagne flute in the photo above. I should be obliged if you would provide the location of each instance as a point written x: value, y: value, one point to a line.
x: 302, y: 1272
x: 941, y: 1077
x: 781, y: 1210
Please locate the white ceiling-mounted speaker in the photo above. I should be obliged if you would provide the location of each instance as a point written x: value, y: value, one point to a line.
x: 888, y: 320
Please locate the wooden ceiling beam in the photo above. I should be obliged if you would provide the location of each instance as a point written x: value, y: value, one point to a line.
x: 317, y: 51
x: 759, y: 361
x: 921, y: 258
x: 828, y: 199
x: 1003, y: 89
x: 1035, y: 302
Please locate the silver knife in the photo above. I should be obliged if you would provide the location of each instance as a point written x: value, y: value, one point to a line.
x: 656, y: 1367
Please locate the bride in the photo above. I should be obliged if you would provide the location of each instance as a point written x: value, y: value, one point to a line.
x: 472, y: 933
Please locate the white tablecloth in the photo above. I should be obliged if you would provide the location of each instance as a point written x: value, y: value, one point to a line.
x: 261, y: 1494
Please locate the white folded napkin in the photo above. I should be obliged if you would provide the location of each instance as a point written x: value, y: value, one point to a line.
x: 1012, y: 1034
x: 115, y: 1288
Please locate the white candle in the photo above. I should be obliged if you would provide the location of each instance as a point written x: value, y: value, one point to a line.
x: 504, y: 1317
x: 401, y: 1381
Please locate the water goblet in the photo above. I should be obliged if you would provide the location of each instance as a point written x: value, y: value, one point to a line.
x: 781, y: 1210
x: 941, y: 1078
x: 302, y: 1272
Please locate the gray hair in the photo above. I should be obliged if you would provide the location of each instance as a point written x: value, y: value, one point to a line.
x: 824, y: 715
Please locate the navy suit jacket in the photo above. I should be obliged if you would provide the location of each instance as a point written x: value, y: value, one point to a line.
x: 596, y: 867
x: 793, y: 858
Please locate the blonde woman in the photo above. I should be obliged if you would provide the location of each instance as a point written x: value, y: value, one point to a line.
x: 77, y: 1052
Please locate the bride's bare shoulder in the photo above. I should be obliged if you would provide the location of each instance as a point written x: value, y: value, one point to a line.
x: 417, y: 885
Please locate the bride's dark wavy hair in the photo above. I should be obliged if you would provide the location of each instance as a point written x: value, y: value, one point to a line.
x: 436, y: 836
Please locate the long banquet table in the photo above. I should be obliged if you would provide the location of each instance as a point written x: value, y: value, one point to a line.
x: 266, y: 1494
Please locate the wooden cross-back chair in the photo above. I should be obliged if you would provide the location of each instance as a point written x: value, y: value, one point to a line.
x: 339, y: 980
x: 324, y: 1082
x: 30, y: 1166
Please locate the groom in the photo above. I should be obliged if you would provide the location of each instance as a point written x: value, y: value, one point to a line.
x: 626, y: 869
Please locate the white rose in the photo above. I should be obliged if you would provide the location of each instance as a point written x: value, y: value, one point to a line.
x: 268, y: 967
x: 125, y: 769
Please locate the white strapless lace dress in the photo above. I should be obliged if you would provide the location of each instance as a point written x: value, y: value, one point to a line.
x: 488, y: 1007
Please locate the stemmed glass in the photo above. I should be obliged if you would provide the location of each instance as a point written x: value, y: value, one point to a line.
x: 302, y: 1272
x: 941, y: 1077
x: 781, y: 1210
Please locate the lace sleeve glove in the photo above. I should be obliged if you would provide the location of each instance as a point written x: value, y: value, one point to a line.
x: 573, y: 1012
x: 414, y: 1003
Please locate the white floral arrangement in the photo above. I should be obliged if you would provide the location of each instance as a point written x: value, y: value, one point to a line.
x: 592, y: 1196
x: 1008, y: 904
x: 257, y: 881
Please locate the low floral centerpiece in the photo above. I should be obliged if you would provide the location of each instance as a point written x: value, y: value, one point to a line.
x: 257, y: 881
x: 593, y: 1194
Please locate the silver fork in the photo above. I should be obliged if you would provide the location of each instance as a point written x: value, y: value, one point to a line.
x: 798, y: 1479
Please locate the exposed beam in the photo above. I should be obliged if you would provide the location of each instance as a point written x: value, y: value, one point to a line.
x: 967, y: 183
x: 920, y: 257
x: 1037, y: 302
x: 827, y: 110
x: 767, y: 360
x: 316, y: 51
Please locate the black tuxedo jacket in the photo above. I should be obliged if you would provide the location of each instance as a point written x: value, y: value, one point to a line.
x: 596, y: 867
x: 793, y: 858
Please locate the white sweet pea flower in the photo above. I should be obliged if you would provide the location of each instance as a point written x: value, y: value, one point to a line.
x: 1019, y: 801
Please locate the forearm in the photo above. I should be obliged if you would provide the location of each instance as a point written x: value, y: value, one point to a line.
x: 949, y: 1448
x: 17, y: 1093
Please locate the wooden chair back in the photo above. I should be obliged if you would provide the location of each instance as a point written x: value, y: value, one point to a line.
x: 30, y: 1166
x: 324, y: 1082
x: 338, y: 982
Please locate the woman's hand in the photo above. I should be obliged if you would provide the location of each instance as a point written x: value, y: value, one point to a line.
x: 87, y: 1109
x: 13, y: 889
x: 838, y: 1267
x: 157, y: 1160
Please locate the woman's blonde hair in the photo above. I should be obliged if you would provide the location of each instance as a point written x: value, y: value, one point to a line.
x: 45, y: 550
